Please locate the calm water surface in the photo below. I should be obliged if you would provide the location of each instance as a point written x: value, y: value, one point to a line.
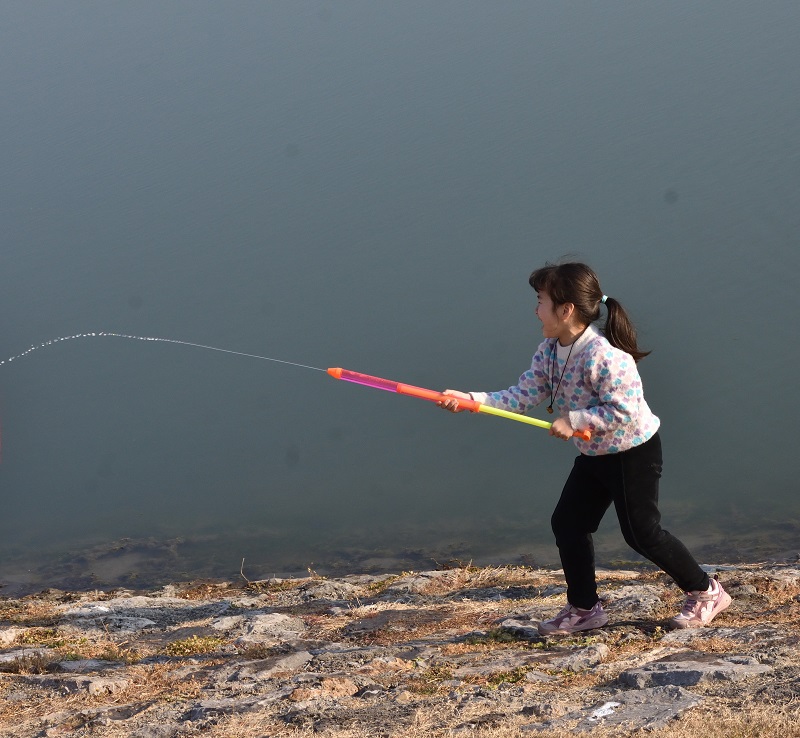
x: 368, y: 185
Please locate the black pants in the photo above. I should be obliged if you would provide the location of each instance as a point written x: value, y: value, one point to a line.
x: 630, y: 480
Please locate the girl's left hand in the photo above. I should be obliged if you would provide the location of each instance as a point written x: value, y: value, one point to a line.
x: 561, y: 428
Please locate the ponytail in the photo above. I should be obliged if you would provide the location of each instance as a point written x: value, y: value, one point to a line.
x: 620, y: 331
x: 578, y: 284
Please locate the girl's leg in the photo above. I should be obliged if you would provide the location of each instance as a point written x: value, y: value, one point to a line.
x: 636, y: 501
x: 584, y: 501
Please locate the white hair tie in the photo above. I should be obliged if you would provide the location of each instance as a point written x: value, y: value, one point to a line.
x: 603, y: 299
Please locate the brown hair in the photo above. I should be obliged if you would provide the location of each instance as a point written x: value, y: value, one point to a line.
x: 577, y: 283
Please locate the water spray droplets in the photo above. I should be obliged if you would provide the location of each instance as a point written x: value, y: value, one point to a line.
x: 152, y: 338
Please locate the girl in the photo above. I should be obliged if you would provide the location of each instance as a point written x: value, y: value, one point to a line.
x: 590, y: 381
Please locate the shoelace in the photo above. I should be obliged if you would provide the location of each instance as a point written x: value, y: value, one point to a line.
x: 693, y: 598
x: 566, y: 614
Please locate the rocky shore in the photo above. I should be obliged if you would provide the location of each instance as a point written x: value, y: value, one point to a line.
x: 435, y: 653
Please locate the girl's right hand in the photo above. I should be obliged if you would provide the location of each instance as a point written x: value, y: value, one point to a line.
x: 452, y: 404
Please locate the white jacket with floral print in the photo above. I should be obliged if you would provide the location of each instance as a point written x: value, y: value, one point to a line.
x: 600, y: 391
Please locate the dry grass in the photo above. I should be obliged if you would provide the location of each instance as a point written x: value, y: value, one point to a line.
x: 465, y: 617
x: 30, y: 612
x: 69, y: 647
x: 28, y: 663
x: 721, y: 720
x: 466, y: 578
x: 147, y: 684
x: 756, y: 721
x: 714, y: 645
x: 277, y: 585
x: 205, y: 590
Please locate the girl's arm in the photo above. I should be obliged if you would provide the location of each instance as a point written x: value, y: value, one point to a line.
x: 531, y: 389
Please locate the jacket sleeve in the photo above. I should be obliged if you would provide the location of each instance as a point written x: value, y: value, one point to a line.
x: 617, y: 388
x: 531, y: 389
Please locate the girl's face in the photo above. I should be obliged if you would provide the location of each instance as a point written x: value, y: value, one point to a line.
x: 546, y: 312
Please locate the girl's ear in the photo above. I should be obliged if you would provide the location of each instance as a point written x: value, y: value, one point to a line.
x: 566, y: 310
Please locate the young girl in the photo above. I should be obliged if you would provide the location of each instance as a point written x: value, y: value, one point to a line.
x: 589, y: 380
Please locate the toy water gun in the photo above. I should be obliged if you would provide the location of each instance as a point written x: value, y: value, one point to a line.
x: 433, y: 396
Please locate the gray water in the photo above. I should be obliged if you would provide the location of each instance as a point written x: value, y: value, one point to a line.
x: 368, y: 185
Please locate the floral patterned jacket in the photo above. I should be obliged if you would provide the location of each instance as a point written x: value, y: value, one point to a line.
x: 600, y: 391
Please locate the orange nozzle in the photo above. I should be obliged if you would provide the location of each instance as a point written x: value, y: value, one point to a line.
x: 336, y: 372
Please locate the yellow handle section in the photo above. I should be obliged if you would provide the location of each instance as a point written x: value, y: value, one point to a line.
x: 585, y: 435
x: 513, y: 416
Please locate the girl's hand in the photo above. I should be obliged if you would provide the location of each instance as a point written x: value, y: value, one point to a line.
x: 452, y: 404
x: 561, y: 428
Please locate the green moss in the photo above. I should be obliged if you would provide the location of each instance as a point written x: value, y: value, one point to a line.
x: 514, y: 676
x: 499, y: 636
x: 194, y: 645
x: 49, y: 637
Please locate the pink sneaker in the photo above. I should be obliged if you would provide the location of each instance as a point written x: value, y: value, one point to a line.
x: 573, y: 619
x: 701, y: 608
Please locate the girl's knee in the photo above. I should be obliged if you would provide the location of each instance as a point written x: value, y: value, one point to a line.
x: 645, y: 539
x: 561, y: 523
x: 567, y: 528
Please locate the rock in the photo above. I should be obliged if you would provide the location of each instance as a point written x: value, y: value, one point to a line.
x: 157, y: 730
x: 738, y: 591
x: 639, y: 601
x: 403, y: 697
x: 582, y: 659
x: 396, y: 621
x: 88, y: 611
x: 386, y: 664
x: 525, y: 629
x: 329, y: 590
x: 782, y: 577
x: 488, y: 664
x: 616, y: 574
x: 760, y: 634
x: 25, y: 653
x: 250, y: 603
x: 214, y: 708
x: 9, y: 635
x: 86, y: 666
x: 229, y: 623
x: 115, y: 624
x: 783, y: 688
x: 416, y: 583
x: 553, y: 590
x: 686, y: 669
x: 538, y: 676
x: 261, y: 627
x: 487, y: 720
x: 266, y: 668
x: 716, y: 568
x: 164, y: 610
x: 646, y: 709
x: 94, y: 685
x: 329, y: 687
